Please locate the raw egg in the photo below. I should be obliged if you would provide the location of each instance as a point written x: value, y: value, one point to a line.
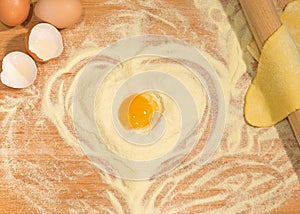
x: 14, y: 12
x: 136, y: 112
x: 60, y: 13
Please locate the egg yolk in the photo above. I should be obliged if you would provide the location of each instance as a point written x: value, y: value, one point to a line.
x: 136, y: 111
x: 140, y: 110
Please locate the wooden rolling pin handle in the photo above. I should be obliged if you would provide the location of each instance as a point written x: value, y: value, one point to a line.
x: 264, y: 21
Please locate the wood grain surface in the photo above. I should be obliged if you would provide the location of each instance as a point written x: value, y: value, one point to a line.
x: 40, y: 173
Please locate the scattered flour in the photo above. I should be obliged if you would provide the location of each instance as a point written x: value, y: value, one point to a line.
x: 250, y: 172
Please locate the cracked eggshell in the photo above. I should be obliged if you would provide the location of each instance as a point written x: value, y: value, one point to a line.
x: 18, y: 70
x: 44, y: 42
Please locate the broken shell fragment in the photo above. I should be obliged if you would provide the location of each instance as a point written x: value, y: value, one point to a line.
x: 44, y: 42
x: 18, y: 70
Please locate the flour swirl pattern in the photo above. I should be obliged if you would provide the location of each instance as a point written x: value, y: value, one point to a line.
x: 248, y: 173
x: 117, y: 73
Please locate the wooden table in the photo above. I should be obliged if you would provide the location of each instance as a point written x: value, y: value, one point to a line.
x: 41, y: 173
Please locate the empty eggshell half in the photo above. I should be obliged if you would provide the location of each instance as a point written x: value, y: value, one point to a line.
x: 44, y: 42
x: 18, y: 70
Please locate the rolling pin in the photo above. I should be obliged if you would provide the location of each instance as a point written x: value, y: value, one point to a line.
x: 264, y: 21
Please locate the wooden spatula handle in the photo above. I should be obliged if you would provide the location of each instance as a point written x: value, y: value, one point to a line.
x: 264, y: 21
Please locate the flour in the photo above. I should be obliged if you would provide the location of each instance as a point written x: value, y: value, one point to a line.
x: 171, y: 114
x: 250, y: 172
x: 60, y: 109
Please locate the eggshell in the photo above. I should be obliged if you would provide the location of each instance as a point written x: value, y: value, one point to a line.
x: 60, y: 13
x: 14, y: 12
x: 18, y: 70
x: 44, y: 42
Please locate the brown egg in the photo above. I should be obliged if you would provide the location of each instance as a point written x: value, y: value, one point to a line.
x: 60, y: 13
x: 14, y: 12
